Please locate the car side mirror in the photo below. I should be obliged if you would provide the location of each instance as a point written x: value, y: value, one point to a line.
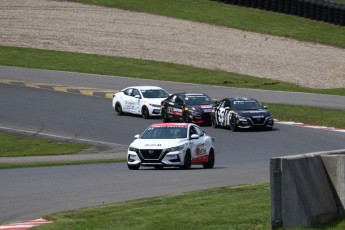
x: 137, y: 136
x: 194, y: 136
x: 265, y: 107
x: 137, y: 96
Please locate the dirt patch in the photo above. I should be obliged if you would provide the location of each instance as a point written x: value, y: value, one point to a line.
x: 66, y: 26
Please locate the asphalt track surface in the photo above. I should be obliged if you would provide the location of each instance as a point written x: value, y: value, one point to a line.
x: 241, y: 157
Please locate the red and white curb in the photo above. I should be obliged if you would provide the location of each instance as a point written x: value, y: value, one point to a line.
x: 309, y: 126
x: 25, y: 224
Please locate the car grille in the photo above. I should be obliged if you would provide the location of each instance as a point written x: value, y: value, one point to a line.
x: 258, y: 121
x: 151, y: 154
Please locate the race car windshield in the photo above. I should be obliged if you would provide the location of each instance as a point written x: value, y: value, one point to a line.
x: 247, y: 105
x: 154, y: 93
x: 164, y: 133
x: 198, y: 100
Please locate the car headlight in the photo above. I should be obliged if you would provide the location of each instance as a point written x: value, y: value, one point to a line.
x: 194, y: 113
x: 133, y: 149
x: 174, y: 149
x: 240, y: 118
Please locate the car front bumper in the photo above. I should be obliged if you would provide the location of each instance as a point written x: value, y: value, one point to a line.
x: 255, y: 123
x: 168, y: 159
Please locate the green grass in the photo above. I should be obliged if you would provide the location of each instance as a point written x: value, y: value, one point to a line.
x: 117, y: 66
x: 243, y: 18
x: 308, y: 115
x: 240, y: 207
x: 338, y: 1
x: 18, y: 145
x: 57, y: 163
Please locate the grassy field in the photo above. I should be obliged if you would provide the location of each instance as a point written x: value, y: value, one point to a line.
x: 240, y: 207
x: 117, y: 66
x: 17, y: 145
x: 308, y: 115
x: 56, y: 163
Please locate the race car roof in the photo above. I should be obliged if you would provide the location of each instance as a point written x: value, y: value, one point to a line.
x: 144, y: 87
x: 242, y: 99
x: 170, y: 125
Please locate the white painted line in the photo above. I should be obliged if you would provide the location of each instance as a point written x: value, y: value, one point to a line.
x: 309, y: 126
x: 25, y: 224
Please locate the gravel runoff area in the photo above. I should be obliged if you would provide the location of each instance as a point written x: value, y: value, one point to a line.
x: 67, y: 26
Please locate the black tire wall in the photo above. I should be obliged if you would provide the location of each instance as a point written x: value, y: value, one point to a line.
x: 319, y: 10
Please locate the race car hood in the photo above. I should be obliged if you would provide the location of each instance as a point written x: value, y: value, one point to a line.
x: 254, y: 113
x: 201, y: 108
x: 154, y: 101
x: 157, y: 143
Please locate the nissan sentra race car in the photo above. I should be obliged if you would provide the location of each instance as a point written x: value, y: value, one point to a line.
x: 141, y: 100
x: 236, y: 113
x: 171, y: 144
x: 187, y: 107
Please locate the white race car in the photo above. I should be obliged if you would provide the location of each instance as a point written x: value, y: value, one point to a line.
x: 142, y: 100
x: 171, y: 144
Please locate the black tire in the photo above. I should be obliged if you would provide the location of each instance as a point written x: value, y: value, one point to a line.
x: 187, y: 161
x: 145, y: 112
x: 185, y: 118
x: 211, y: 159
x: 118, y: 109
x: 214, y: 122
x: 133, y: 167
x: 164, y: 116
x: 233, y: 126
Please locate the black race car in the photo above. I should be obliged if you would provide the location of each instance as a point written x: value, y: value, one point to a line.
x: 187, y: 107
x: 242, y: 112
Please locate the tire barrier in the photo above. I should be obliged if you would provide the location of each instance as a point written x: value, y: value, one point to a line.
x: 318, y: 10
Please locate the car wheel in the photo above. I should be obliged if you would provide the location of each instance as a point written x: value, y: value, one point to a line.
x: 133, y: 167
x: 187, y: 161
x: 233, y: 126
x: 214, y: 122
x: 165, y: 116
x: 145, y: 112
x: 185, y: 118
x: 118, y: 109
x: 210, y: 162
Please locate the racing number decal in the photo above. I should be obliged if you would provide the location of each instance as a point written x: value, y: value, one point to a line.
x: 174, y: 111
x: 221, y: 116
x: 170, y: 110
x: 227, y: 117
x: 200, y: 155
x: 200, y: 149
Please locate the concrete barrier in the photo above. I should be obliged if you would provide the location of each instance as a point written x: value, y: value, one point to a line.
x: 335, y: 167
x: 307, y: 189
